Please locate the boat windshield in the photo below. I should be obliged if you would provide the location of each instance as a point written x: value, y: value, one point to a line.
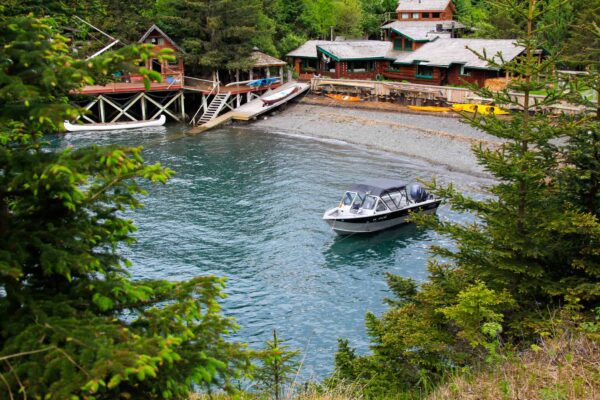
x: 359, y: 198
x: 369, y: 203
x: 348, y: 198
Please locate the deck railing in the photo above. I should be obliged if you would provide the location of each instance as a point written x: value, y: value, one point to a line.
x: 448, y: 93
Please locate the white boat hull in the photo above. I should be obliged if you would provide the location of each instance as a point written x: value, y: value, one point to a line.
x: 69, y: 127
x: 351, y: 224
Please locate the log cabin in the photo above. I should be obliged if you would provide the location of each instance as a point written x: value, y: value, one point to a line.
x: 422, y: 46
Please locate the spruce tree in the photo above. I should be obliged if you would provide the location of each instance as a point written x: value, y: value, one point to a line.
x: 215, y: 34
x: 531, y: 249
x: 73, y: 324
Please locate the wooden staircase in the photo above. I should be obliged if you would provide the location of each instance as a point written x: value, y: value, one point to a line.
x: 214, y: 108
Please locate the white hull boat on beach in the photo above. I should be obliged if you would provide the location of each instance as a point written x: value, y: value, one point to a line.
x: 377, y: 205
x: 114, y: 125
x: 279, y: 96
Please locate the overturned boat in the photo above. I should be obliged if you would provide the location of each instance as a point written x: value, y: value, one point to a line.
x: 109, y: 126
x: 377, y: 205
x: 279, y: 96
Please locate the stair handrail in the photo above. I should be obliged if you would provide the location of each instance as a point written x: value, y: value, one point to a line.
x: 216, y: 85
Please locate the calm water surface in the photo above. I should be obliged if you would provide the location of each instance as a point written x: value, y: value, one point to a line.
x: 247, y: 205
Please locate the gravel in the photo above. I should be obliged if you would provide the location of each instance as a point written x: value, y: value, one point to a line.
x: 442, y: 141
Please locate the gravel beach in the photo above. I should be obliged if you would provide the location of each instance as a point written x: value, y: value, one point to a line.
x: 438, y: 140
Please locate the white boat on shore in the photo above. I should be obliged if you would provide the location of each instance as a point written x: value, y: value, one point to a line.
x: 377, y: 205
x: 279, y: 96
x: 114, y: 125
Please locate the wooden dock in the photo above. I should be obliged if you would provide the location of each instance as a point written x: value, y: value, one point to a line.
x: 253, y: 108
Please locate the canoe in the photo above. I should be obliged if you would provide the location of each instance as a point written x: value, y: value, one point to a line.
x: 484, y: 109
x: 278, y: 96
x: 69, y: 127
x: 343, y: 97
x: 430, y: 108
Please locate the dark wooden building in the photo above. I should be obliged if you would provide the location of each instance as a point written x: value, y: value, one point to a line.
x: 170, y: 70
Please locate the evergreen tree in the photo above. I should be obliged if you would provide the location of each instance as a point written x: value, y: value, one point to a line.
x: 533, y: 246
x: 215, y: 34
x: 278, y: 364
x: 72, y: 322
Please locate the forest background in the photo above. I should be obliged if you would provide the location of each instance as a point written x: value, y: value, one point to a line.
x: 222, y: 33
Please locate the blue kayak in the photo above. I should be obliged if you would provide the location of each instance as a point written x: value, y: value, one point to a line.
x: 263, y: 82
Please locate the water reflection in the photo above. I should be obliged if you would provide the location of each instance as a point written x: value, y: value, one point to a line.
x: 376, y: 248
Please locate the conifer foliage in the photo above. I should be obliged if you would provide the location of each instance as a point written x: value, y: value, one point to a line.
x: 533, y: 247
x: 72, y: 322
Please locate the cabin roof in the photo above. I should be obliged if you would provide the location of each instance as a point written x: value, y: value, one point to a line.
x: 308, y: 49
x: 445, y: 52
x: 423, y: 30
x: 360, y: 50
x: 261, y: 59
x: 378, y: 187
x: 160, y: 31
x: 422, y: 5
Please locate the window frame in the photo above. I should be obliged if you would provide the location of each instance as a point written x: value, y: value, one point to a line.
x: 400, y: 46
x: 462, y: 71
x: 419, y: 71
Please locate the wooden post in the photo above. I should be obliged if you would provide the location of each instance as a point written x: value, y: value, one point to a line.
x: 268, y: 71
x: 143, y: 104
x: 281, y: 74
x: 182, y: 106
x: 251, y: 74
x: 238, y: 100
x: 101, y: 105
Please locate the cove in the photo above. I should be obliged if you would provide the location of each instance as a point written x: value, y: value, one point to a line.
x: 247, y: 204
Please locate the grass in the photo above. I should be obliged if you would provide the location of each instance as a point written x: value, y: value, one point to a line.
x: 567, y: 367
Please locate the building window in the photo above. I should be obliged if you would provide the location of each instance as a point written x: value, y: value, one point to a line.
x: 398, y: 44
x: 393, y: 68
x: 360, y: 66
x: 435, y: 15
x: 408, y: 45
x: 405, y: 15
x: 415, y: 15
x: 424, y: 71
x: 464, y: 72
x: 426, y: 15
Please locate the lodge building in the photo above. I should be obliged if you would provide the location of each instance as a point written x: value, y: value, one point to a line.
x: 423, y: 45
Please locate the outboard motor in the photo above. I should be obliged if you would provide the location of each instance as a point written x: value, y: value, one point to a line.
x: 418, y: 194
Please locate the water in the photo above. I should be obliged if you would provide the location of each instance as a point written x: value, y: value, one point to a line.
x: 247, y: 205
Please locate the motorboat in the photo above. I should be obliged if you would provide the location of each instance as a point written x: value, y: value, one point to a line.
x: 377, y: 205
x: 109, y: 126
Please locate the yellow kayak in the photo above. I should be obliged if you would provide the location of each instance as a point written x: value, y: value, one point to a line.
x: 484, y: 109
x: 343, y: 97
x: 430, y: 108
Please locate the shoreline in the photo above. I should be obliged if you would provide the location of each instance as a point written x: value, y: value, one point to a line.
x: 440, y: 140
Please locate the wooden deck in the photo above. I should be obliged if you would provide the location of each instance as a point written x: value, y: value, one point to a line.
x: 253, y: 108
x: 137, y: 87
